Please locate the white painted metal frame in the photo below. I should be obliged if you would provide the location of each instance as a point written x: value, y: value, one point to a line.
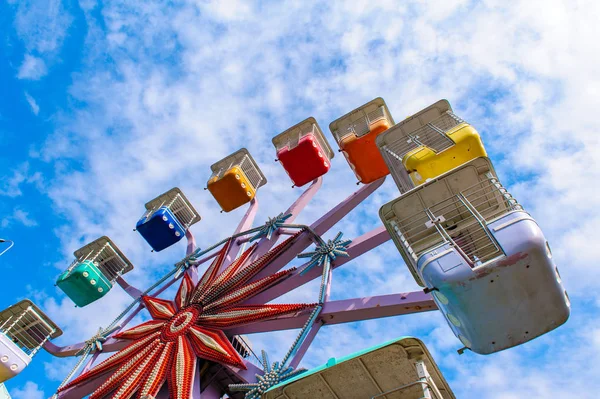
x: 106, y: 255
x: 246, y: 163
x: 292, y: 136
x: 27, y: 326
x: 358, y: 121
x: 177, y: 202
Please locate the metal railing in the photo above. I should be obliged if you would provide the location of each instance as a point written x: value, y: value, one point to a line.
x: 109, y: 262
x: 245, y: 350
x: 249, y: 169
x: 292, y: 138
x: 29, y: 331
x: 182, y: 211
x: 460, y: 220
x: 361, y: 126
x: 432, y: 135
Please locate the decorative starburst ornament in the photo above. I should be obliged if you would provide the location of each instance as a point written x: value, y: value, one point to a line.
x: 271, y: 226
x: 95, y: 343
x: 165, y: 350
x: 326, y: 253
x: 274, y: 374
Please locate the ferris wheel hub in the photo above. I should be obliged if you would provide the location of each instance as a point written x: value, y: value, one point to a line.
x: 181, y: 322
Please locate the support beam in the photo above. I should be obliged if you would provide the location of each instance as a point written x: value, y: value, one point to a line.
x: 129, y: 289
x: 245, y: 224
x: 348, y: 311
x: 359, y: 246
x: 320, y: 227
x: 312, y: 334
x: 264, y: 244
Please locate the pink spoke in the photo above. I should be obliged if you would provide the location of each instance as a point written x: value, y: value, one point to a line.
x: 249, y: 314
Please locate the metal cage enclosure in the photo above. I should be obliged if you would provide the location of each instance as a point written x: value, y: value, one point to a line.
x: 303, y: 152
x: 434, y: 140
x: 465, y: 237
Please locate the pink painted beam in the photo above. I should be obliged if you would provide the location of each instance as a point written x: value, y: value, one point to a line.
x: 264, y: 245
x: 306, y: 343
x: 348, y: 311
x: 129, y: 289
x: 136, y: 293
x: 359, y: 246
x: 245, y: 224
x: 90, y: 363
x: 320, y: 227
x: 245, y: 376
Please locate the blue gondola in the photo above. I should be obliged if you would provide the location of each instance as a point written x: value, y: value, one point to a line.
x: 167, y: 219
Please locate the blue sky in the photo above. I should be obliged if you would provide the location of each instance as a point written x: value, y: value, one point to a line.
x: 105, y: 105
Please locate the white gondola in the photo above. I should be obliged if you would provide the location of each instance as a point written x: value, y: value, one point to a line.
x: 24, y: 329
x: 485, y: 259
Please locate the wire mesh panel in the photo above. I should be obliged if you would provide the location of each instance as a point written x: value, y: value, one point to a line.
x: 455, y: 208
x: 427, y: 128
x: 251, y: 171
x: 292, y: 136
x: 27, y: 326
x: 177, y: 202
x: 360, y: 121
x: 244, y: 160
x: 107, y: 256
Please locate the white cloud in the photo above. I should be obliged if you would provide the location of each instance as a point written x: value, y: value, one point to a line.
x: 32, y: 68
x: 30, y: 390
x: 42, y: 25
x: 19, y: 216
x: 185, y: 89
x: 42, y: 28
x: 35, y: 108
x: 10, y: 186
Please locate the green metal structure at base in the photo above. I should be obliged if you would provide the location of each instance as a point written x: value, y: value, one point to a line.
x: 388, y: 367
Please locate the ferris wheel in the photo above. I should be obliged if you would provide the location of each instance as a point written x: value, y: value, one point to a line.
x: 478, y: 256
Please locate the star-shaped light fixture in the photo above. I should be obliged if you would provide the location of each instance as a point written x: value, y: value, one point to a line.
x: 165, y: 349
x: 271, y: 226
x: 326, y: 253
x: 274, y: 374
